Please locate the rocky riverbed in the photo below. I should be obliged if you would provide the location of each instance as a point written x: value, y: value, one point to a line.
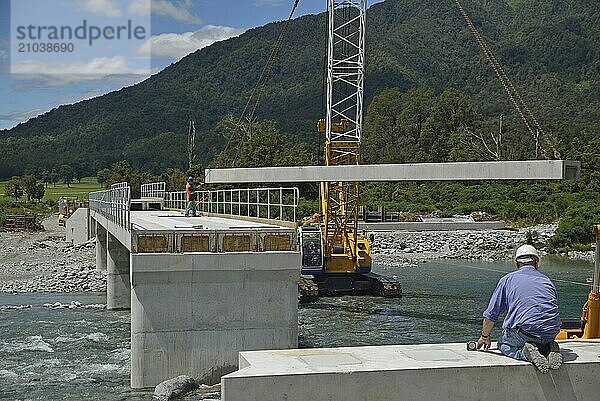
x: 44, y: 262
x: 402, y: 248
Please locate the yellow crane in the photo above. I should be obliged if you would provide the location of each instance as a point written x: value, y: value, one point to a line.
x: 334, y: 254
x: 589, y: 325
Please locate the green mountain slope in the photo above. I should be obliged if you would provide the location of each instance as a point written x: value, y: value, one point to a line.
x: 551, y: 49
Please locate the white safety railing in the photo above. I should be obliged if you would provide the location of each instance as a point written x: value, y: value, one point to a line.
x: 114, y: 204
x: 267, y: 203
x: 119, y: 185
x: 154, y: 190
x: 178, y: 200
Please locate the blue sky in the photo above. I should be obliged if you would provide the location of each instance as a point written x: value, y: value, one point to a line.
x: 33, y: 83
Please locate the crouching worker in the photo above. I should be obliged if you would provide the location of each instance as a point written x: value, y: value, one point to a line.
x: 528, y: 298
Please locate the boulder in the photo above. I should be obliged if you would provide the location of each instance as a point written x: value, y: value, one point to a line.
x: 173, y: 388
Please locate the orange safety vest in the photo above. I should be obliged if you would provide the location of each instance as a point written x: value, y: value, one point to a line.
x: 189, y: 190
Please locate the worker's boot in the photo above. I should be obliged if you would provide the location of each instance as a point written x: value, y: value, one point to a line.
x: 534, y: 356
x: 555, y: 359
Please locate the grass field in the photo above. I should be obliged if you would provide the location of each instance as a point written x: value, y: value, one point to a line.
x: 76, y: 190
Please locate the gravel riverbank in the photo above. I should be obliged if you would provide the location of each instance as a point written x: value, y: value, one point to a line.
x: 402, y: 248
x: 44, y: 262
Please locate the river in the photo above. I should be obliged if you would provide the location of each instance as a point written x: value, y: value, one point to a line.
x: 83, y: 354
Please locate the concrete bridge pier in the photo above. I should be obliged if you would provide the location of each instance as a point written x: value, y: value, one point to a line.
x: 192, y: 313
x: 100, y: 246
x: 118, y: 285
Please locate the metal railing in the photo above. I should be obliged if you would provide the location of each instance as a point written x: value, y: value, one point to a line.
x: 154, y: 190
x: 114, y: 204
x: 119, y: 185
x: 267, y: 203
x: 177, y: 200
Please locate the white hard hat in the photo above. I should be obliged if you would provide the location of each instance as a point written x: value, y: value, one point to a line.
x: 527, y: 254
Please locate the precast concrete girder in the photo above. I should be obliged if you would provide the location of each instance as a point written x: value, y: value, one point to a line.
x: 459, y: 171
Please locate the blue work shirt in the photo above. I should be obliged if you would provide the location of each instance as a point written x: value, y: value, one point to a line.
x: 529, y: 299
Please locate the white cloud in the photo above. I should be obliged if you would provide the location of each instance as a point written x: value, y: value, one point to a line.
x: 177, y: 10
x: 21, y: 115
x: 176, y: 46
x: 61, y: 73
x: 139, y: 7
x: 108, y: 8
x: 4, y: 50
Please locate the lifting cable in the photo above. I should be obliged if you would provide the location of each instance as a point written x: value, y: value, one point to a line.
x: 258, y: 89
x: 515, y: 97
x: 503, y: 272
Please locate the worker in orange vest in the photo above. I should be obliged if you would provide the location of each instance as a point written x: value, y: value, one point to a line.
x: 190, y: 196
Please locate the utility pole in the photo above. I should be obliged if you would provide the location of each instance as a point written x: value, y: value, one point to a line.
x: 191, y: 144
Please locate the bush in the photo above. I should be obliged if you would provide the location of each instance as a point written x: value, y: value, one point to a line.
x: 576, y: 226
x: 307, y: 208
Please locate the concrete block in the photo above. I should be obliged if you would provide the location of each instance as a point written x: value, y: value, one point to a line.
x: 192, y: 313
x: 427, y: 372
x: 118, y: 287
x: 77, y: 227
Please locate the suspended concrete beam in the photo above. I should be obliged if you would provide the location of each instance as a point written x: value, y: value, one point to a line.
x: 460, y: 171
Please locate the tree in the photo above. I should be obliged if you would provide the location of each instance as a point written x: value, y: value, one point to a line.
x: 120, y: 172
x: 102, y: 176
x: 379, y: 126
x: 67, y: 174
x: 14, y: 189
x: 38, y: 192
x: 46, y: 177
x: 29, y: 184
x: 197, y: 172
x: 416, y: 107
x: 54, y: 177
x: 450, y: 115
x: 174, y: 178
x: 481, y: 143
x: 268, y: 146
x: 78, y: 169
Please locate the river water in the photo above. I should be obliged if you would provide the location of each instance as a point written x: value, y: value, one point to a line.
x: 83, y: 354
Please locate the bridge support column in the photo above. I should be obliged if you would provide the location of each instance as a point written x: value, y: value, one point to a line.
x: 192, y: 313
x: 100, y: 246
x: 118, y: 287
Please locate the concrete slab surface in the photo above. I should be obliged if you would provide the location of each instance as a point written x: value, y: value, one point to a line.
x: 426, y: 372
x: 176, y: 221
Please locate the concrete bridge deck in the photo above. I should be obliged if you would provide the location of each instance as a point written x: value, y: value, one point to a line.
x: 427, y: 372
x: 167, y: 220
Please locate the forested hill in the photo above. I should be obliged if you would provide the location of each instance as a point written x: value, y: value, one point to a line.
x: 551, y: 48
